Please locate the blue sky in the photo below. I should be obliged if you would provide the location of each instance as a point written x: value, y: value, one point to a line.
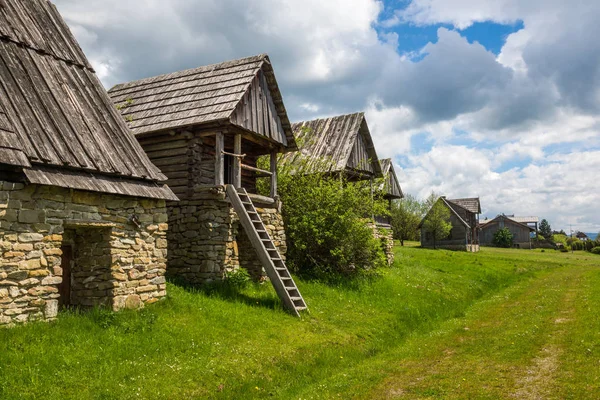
x: 497, y: 98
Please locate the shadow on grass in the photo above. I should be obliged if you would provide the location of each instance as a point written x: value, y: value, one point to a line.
x: 234, y: 293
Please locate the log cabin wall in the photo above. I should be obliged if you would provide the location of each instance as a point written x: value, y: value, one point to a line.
x: 205, y: 239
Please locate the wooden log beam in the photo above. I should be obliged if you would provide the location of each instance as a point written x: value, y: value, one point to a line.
x: 237, y: 161
x: 254, y: 169
x: 219, y: 159
x: 273, y: 174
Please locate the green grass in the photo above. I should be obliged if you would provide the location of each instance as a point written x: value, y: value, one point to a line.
x: 356, y: 341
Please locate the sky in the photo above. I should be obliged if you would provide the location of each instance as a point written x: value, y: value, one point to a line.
x: 497, y: 99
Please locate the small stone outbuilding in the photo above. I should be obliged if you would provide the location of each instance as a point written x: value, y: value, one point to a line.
x: 83, y: 220
x: 206, y: 128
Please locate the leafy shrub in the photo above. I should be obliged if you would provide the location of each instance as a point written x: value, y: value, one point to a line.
x: 503, y: 238
x: 596, y: 250
x: 328, y: 223
x: 238, y: 278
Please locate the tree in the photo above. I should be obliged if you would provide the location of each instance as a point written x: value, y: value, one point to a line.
x: 437, y: 222
x: 545, y: 229
x: 406, y: 215
x: 503, y: 238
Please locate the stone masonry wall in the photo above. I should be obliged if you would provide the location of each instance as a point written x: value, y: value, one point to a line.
x: 206, y: 239
x: 37, y: 221
x: 386, y: 236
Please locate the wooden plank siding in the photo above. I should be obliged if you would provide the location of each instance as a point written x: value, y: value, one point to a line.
x: 391, y: 186
x: 55, y: 115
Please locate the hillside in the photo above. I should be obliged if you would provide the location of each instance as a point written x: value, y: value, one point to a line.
x: 435, y: 322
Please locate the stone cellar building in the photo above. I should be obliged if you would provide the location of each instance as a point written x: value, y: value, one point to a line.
x: 206, y: 129
x: 83, y: 218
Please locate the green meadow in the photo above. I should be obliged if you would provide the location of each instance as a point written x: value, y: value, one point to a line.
x: 501, y: 323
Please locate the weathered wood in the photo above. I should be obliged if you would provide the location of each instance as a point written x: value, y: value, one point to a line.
x: 242, y: 92
x: 337, y: 145
x: 237, y: 161
x: 219, y: 161
x: 267, y: 252
x: 59, y: 114
x: 262, y: 171
x: 273, y: 174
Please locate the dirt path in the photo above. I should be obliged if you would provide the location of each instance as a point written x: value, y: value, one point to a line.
x: 518, y: 344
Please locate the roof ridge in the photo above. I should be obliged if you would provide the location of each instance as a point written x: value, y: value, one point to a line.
x: 185, y: 72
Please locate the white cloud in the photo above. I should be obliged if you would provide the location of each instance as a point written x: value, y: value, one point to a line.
x: 480, y: 111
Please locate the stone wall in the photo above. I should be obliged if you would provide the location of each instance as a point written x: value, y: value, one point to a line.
x: 385, y: 235
x: 206, y: 239
x: 116, y: 262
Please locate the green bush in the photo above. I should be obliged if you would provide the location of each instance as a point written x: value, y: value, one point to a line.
x: 238, y: 278
x: 503, y: 238
x: 329, y: 223
x: 596, y: 250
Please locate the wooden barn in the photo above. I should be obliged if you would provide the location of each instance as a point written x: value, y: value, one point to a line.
x: 205, y: 128
x: 390, y: 188
x: 336, y: 145
x: 83, y: 219
x: 342, y: 145
x: 464, y: 217
x: 521, y: 232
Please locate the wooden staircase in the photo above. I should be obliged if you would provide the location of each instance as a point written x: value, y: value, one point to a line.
x: 266, y: 250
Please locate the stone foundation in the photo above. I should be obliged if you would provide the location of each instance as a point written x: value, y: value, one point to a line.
x: 206, y: 239
x: 114, y: 262
x: 385, y: 234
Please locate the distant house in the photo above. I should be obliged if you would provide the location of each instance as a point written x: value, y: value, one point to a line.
x: 83, y: 220
x: 582, y: 236
x: 520, y: 231
x: 464, y: 215
x: 530, y: 221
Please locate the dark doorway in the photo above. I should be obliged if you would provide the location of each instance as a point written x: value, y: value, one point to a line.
x: 228, y: 173
x: 64, y: 288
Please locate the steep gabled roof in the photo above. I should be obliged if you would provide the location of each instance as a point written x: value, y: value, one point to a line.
x: 391, y: 186
x: 470, y: 204
x: 210, y: 94
x: 56, y: 117
x: 483, y: 224
x: 337, y: 144
x: 450, y: 206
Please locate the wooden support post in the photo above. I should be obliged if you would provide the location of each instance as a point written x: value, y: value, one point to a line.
x: 273, y: 174
x: 237, y: 161
x: 219, y: 162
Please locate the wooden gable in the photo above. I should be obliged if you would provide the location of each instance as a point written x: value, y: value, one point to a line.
x: 359, y: 157
x: 256, y: 111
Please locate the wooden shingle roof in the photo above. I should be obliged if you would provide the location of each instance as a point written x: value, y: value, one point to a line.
x: 391, y: 186
x: 206, y: 95
x: 334, y: 145
x: 55, y: 113
x: 470, y: 204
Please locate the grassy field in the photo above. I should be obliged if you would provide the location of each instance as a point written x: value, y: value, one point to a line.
x: 497, y: 324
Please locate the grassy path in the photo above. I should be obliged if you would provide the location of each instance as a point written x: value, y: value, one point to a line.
x: 539, y: 339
